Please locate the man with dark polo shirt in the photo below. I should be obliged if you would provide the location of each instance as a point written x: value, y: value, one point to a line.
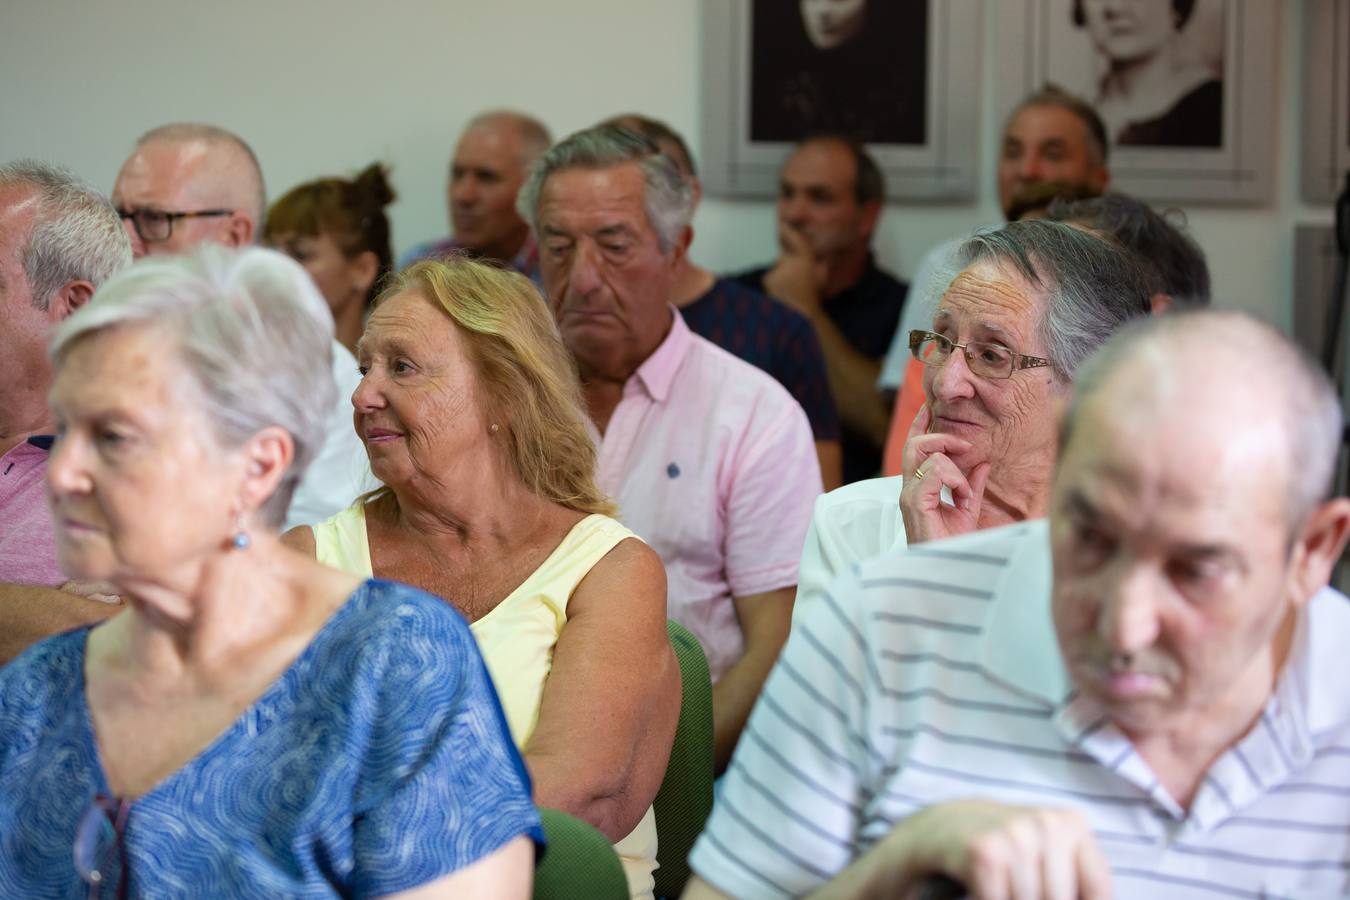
x: 59, y: 240
x: 769, y: 335
x: 829, y: 200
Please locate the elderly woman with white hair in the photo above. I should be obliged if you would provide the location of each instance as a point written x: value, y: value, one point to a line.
x: 254, y: 724
x: 1031, y: 301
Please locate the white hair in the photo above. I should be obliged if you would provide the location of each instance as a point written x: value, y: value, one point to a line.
x: 76, y: 234
x: 252, y: 331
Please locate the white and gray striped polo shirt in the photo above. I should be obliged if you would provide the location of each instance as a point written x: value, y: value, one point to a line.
x: 934, y: 674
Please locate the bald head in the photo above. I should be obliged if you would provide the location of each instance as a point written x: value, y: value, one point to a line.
x: 527, y: 133
x: 491, y: 159
x: 1209, y: 384
x: 197, y: 169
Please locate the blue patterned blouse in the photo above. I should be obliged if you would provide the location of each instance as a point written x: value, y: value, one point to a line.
x: 379, y: 761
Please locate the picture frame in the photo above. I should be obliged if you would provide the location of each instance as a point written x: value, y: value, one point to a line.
x: 1326, y: 99
x: 1203, y: 135
x: 769, y: 81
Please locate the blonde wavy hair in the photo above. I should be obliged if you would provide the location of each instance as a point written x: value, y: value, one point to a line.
x: 525, y: 374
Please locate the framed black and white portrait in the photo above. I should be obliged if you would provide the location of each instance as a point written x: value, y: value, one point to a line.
x: 899, y: 75
x: 1326, y: 98
x: 1184, y: 87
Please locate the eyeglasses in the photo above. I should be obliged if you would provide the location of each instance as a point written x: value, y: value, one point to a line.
x: 99, y: 852
x: 984, y: 359
x: 156, y: 225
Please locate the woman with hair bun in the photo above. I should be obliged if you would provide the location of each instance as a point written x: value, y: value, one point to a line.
x: 336, y: 228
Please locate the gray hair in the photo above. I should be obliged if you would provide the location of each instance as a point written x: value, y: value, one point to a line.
x: 76, y: 234
x: 252, y: 332
x: 233, y: 145
x: 1174, y: 263
x: 1092, y: 286
x: 1308, y: 401
x: 668, y: 198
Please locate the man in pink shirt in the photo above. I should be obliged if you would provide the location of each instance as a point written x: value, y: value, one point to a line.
x: 59, y: 239
x: 711, y: 460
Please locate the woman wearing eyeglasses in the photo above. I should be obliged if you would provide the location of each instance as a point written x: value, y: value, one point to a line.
x: 254, y: 724
x: 1030, y: 302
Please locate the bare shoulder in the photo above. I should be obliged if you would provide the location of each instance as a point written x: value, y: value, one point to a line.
x: 630, y: 572
x: 300, y: 539
x: 631, y: 559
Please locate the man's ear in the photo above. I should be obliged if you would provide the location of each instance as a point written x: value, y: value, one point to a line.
x: 682, y: 242
x: 1160, y: 303
x: 267, y: 456
x: 696, y: 187
x: 1318, y: 547
x: 71, y: 296
x: 239, y: 231
x: 871, y: 213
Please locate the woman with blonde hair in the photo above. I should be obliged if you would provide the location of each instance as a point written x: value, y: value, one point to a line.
x: 470, y: 410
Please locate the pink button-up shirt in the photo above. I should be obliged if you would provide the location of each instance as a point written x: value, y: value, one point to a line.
x: 712, y: 463
x: 27, y: 542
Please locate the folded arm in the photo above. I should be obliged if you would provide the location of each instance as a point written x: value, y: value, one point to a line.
x: 29, y: 613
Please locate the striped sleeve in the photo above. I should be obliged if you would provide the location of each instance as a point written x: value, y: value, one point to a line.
x: 791, y: 805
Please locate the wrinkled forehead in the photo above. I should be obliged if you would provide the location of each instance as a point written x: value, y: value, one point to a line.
x: 405, y: 318
x: 122, y: 365
x: 1164, y: 432
x: 587, y: 198
x: 988, y: 297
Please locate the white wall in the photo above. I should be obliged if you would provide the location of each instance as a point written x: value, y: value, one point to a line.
x: 321, y: 87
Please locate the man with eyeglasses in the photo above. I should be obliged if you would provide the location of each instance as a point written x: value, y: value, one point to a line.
x: 1031, y: 300
x: 187, y: 183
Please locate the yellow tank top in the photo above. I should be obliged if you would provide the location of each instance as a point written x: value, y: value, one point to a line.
x: 517, y: 637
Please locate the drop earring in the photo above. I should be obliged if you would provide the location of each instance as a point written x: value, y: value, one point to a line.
x: 241, y: 540
x: 493, y: 428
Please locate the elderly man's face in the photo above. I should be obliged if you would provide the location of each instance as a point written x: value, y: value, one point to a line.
x: 125, y: 480
x: 603, y: 268
x: 1009, y: 422
x: 830, y: 23
x: 1043, y: 144
x: 172, y: 177
x: 485, y: 176
x: 1171, y: 557
x: 817, y: 196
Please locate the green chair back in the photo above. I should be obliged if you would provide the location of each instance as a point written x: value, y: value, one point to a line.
x: 579, y: 862
x: 685, y: 799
